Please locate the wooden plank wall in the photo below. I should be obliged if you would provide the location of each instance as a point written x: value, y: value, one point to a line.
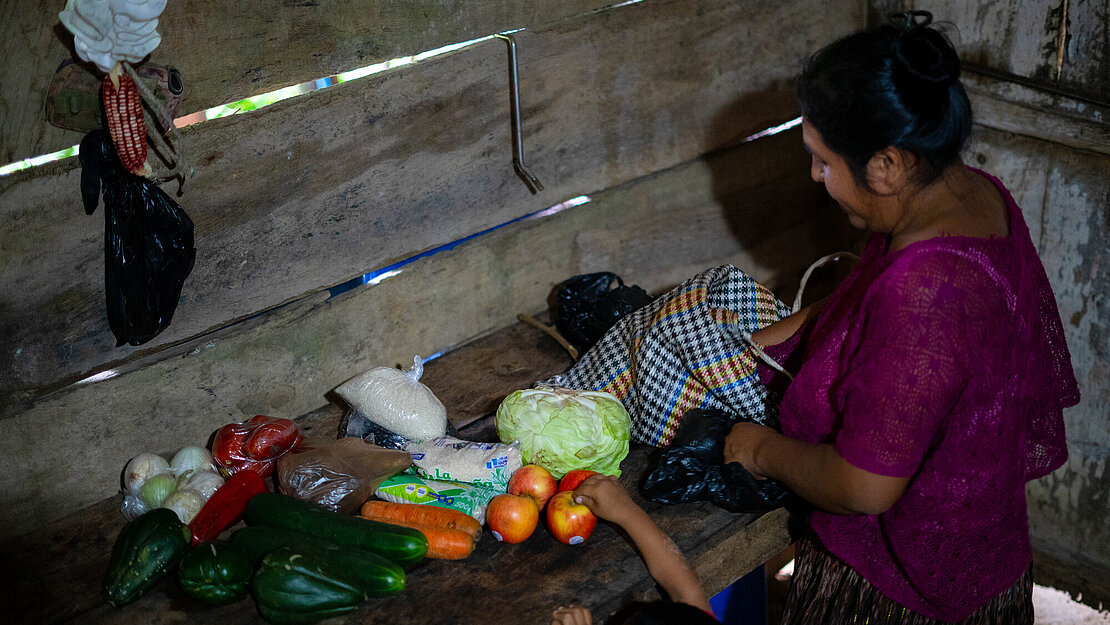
x: 1039, y: 79
x: 639, y: 107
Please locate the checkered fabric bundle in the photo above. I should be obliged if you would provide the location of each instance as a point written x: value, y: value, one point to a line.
x: 684, y: 350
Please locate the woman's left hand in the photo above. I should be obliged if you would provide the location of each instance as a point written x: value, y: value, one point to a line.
x: 742, y: 441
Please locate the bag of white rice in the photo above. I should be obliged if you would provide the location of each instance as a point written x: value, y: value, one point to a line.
x: 397, y: 401
x: 451, y: 459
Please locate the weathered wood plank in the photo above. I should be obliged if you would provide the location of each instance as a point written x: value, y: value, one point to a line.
x: 1059, y: 44
x: 736, y: 553
x: 1049, y: 116
x: 54, y: 575
x: 474, y: 378
x: 229, y: 51
x: 313, y: 192
x: 284, y: 363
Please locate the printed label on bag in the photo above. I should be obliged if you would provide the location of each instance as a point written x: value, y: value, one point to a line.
x: 408, y: 488
x: 479, y: 463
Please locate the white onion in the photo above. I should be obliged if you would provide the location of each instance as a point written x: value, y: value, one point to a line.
x: 141, y: 468
x: 191, y: 458
x: 156, y: 489
x: 205, y: 483
x: 186, y: 503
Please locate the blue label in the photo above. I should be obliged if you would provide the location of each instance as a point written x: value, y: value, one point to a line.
x: 498, y: 463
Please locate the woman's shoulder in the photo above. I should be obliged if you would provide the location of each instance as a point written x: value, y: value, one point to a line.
x: 942, y: 280
x: 938, y: 261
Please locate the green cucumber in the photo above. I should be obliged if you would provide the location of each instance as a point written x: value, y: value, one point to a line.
x: 403, y: 545
x: 144, y: 553
x: 375, y: 575
x: 291, y: 586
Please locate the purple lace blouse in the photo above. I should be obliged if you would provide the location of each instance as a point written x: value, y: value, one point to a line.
x: 944, y: 362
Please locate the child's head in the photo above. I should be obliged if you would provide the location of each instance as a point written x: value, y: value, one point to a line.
x: 895, y: 85
x: 662, y: 613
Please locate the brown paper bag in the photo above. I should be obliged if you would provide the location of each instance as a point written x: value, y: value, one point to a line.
x: 338, y: 474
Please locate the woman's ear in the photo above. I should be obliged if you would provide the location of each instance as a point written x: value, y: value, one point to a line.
x: 888, y: 170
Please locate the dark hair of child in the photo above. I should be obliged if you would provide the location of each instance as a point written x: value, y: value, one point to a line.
x: 894, y: 85
x: 661, y: 613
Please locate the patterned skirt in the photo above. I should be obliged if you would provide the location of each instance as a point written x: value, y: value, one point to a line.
x: 825, y: 590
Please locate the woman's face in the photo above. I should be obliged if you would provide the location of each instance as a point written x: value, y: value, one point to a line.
x: 829, y: 168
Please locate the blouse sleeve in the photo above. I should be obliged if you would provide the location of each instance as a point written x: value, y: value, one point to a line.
x: 905, y: 370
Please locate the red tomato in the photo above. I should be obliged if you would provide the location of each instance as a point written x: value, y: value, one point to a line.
x: 271, y: 439
x: 227, y: 446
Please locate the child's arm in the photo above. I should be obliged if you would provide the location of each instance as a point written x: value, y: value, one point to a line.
x: 606, y: 498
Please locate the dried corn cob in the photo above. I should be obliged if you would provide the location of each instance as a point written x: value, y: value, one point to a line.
x: 124, y: 109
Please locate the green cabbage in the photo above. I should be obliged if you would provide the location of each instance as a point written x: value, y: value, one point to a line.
x: 564, y: 429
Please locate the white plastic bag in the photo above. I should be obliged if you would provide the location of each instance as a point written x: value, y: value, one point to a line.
x: 397, y: 401
x: 451, y: 459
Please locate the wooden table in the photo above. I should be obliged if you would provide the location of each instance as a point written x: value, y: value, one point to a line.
x: 54, y: 574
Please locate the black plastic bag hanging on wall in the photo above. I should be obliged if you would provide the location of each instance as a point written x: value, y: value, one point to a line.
x: 587, y: 305
x: 148, y: 243
x: 692, y: 469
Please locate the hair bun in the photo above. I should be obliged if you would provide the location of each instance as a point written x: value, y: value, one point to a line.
x: 923, y: 52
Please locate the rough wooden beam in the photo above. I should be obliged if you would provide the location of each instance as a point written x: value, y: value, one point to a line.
x: 1048, y: 115
x: 229, y: 51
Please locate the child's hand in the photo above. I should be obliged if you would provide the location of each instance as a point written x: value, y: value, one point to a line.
x: 606, y: 498
x: 574, y: 615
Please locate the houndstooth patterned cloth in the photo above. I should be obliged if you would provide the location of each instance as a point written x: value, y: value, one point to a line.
x: 685, y: 350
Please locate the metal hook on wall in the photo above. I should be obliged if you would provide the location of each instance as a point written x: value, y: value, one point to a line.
x: 514, y: 101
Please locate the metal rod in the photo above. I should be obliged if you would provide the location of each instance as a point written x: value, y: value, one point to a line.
x: 521, y: 170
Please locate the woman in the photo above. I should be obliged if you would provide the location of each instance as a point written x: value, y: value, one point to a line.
x: 930, y: 385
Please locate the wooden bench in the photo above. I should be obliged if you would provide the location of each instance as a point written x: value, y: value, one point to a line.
x: 54, y: 574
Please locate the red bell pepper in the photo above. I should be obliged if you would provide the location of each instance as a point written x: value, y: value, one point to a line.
x: 226, y: 506
x: 255, y: 444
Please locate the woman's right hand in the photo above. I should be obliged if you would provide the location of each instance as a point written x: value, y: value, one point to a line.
x: 741, y: 444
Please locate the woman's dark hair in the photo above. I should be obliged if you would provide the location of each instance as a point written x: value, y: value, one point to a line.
x: 894, y: 85
x: 661, y: 613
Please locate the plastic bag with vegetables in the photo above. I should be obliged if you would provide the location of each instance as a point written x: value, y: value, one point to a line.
x: 564, y: 429
x: 255, y: 444
x: 183, y: 484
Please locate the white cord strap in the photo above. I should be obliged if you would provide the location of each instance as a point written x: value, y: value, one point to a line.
x: 820, y: 262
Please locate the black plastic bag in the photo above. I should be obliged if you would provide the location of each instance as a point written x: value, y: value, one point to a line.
x: 692, y: 469
x: 587, y: 305
x: 148, y: 243
x: 357, y: 425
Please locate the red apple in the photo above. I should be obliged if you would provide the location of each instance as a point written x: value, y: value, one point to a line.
x: 573, y: 478
x: 512, y: 518
x: 569, y: 522
x: 534, y: 481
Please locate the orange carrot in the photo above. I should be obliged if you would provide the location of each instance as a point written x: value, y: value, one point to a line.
x: 420, y: 516
x: 447, y: 544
